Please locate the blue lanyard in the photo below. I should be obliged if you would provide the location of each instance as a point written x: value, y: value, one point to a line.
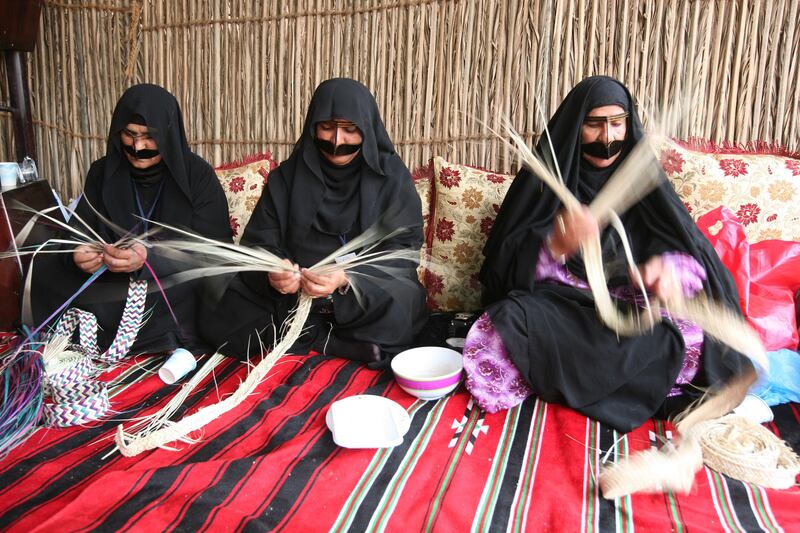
x: 343, y: 238
x: 152, y: 206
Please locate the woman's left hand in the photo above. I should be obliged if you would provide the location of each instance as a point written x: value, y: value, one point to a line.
x: 316, y: 285
x: 660, y: 277
x: 124, y: 259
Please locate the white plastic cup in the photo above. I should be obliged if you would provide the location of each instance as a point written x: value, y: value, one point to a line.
x: 9, y: 174
x: 177, y: 365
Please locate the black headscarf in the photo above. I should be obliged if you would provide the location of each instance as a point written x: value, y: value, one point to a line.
x: 656, y: 224
x: 160, y: 112
x: 298, y: 187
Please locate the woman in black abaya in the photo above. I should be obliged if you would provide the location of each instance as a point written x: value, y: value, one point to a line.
x: 341, y: 178
x: 541, y: 333
x: 149, y: 172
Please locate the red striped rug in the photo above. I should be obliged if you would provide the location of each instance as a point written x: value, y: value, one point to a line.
x: 271, y: 464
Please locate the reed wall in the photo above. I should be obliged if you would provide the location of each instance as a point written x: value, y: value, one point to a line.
x: 441, y: 70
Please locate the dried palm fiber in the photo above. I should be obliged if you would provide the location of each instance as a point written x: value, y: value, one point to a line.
x: 127, y: 240
x: 86, y: 236
x: 82, y: 235
x: 150, y: 425
x: 21, y: 374
x: 12, y: 244
x: 744, y: 450
x: 670, y: 468
x: 227, y: 258
x: 157, y: 431
x: 731, y: 445
x: 58, y: 355
x: 656, y: 470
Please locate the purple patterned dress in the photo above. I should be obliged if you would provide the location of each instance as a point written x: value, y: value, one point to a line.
x: 496, y: 384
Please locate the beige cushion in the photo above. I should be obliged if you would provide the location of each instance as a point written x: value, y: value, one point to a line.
x: 243, y: 182
x: 761, y: 189
x: 466, y: 202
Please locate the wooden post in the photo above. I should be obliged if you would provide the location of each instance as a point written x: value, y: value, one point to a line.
x: 17, y: 74
x: 19, y: 26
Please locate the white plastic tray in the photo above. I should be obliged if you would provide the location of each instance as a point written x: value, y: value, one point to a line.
x: 367, y: 421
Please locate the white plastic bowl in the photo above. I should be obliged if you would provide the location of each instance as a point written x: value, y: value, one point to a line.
x: 428, y: 372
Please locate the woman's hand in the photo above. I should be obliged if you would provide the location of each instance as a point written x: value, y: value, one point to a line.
x: 87, y: 258
x: 285, y: 282
x: 124, y: 259
x: 316, y: 285
x: 570, y: 228
x: 660, y: 278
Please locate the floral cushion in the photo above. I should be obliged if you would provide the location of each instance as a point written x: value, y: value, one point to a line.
x: 761, y: 189
x: 423, y: 183
x: 243, y: 182
x: 465, y: 204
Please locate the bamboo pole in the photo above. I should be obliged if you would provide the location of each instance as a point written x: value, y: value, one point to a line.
x: 679, y: 92
x: 794, y: 131
x: 785, y: 80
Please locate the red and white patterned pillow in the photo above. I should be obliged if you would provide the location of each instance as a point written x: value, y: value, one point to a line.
x: 761, y: 189
x: 243, y: 182
x: 465, y: 204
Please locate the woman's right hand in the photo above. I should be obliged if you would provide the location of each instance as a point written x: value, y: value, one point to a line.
x: 286, y: 282
x: 87, y: 258
x: 570, y: 228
